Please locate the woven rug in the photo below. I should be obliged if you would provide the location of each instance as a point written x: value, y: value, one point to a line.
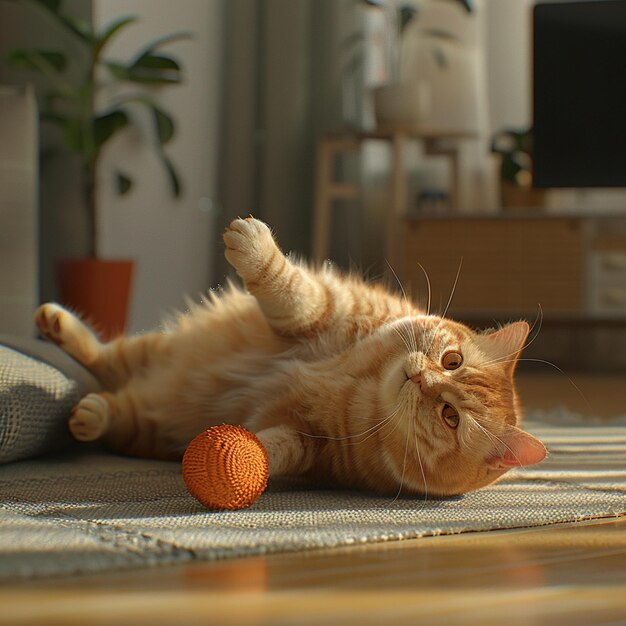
x: 96, y: 512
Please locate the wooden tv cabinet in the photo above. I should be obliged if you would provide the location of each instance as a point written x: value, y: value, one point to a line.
x: 573, y: 266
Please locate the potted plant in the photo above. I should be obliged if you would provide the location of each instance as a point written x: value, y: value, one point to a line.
x: 403, y: 102
x: 95, y: 287
x: 515, y: 147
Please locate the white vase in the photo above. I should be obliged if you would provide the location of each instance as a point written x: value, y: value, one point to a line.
x: 432, y: 99
x: 403, y: 106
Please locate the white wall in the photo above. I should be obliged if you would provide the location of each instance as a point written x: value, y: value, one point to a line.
x: 509, y: 62
x: 19, y: 186
x: 171, y: 240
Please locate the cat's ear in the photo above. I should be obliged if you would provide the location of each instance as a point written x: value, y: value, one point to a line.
x: 504, y: 344
x: 518, y: 448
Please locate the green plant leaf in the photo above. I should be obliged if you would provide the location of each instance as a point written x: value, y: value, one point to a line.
x: 148, y: 67
x: 118, y: 70
x: 146, y: 62
x: 45, y: 61
x: 164, y: 125
x: 157, y: 61
x: 468, y: 5
x: 144, y: 75
x: 406, y: 15
x: 123, y: 183
x: 78, y: 27
x: 509, y: 169
x: 172, y: 174
x: 160, y: 42
x: 51, y: 5
x: 81, y: 28
x: 109, y: 32
x: 106, y: 125
x: 155, y: 68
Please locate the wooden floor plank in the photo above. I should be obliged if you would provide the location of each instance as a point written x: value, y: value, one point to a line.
x: 562, y: 574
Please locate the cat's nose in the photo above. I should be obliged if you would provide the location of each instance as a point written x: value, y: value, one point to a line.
x: 417, y: 379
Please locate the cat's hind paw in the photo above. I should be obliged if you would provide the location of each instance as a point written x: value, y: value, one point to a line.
x: 90, y: 418
x: 67, y: 331
x: 49, y: 321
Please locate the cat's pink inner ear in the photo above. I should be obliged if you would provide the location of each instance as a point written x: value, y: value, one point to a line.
x: 506, y: 342
x: 518, y: 449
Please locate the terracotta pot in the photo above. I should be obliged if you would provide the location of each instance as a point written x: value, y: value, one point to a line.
x: 99, y: 291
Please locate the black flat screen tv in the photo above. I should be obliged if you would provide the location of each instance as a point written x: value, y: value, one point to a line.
x: 579, y: 93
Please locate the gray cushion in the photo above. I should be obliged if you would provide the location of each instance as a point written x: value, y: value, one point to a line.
x: 39, y: 385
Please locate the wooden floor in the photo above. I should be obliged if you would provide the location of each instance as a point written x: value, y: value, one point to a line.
x: 568, y: 574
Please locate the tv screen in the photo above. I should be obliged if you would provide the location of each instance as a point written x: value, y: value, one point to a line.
x: 579, y: 93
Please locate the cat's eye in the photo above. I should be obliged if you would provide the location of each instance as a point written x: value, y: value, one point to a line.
x: 452, y: 360
x: 450, y: 416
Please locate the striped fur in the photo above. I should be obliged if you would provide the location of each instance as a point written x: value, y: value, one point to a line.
x: 342, y: 380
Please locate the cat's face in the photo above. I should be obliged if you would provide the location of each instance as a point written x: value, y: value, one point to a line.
x: 454, y: 406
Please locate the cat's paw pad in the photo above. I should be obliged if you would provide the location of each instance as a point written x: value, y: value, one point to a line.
x: 90, y: 418
x: 249, y: 245
x: 247, y: 235
x: 49, y: 319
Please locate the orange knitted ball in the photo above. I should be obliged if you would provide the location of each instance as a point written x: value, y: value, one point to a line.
x: 226, y: 467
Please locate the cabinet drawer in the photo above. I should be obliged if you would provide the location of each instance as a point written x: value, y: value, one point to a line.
x: 608, y: 265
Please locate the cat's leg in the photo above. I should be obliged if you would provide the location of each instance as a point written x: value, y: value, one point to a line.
x: 294, y: 300
x: 91, y: 418
x: 125, y: 420
x: 114, y: 363
x: 298, y: 302
x: 68, y: 332
x: 106, y: 415
x: 290, y: 453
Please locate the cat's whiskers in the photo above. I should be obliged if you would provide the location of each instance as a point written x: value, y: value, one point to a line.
x: 405, y: 300
x: 406, y: 452
x: 493, y: 437
x: 405, y: 339
x: 428, y: 286
x: 445, y: 311
x: 538, y: 320
x: 419, y: 460
x: 379, y: 425
x: 393, y: 430
x: 556, y: 367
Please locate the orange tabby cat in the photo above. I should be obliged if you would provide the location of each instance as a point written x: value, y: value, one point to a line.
x: 342, y: 381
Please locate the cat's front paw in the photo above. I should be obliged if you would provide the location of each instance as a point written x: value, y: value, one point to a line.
x: 90, y: 418
x: 250, y: 247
